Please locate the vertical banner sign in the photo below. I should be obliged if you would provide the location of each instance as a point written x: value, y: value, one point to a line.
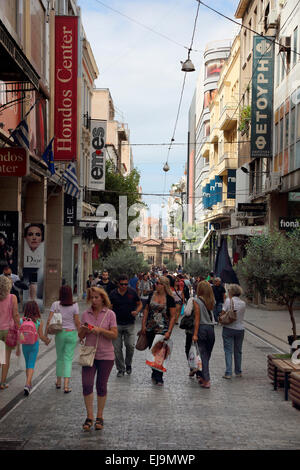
x: 231, y: 184
x: 66, y: 65
x: 70, y: 208
x: 262, y: 97
x: 97, y: 155
x: 9, y: 230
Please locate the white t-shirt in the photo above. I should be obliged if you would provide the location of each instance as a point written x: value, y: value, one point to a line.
x: 240, y: 307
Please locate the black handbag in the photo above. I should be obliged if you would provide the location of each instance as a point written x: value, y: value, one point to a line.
x: 187, y: 322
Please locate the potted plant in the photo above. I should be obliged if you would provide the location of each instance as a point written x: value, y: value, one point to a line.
x: 245, y: 117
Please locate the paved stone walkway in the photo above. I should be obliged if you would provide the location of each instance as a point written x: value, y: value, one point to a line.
x: 244, y: 413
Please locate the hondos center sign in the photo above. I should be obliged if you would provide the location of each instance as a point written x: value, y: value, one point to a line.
x: 66, y: 70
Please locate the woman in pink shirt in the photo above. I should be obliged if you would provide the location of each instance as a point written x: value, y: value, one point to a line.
x: 9, y: 316
x: 98, y: 321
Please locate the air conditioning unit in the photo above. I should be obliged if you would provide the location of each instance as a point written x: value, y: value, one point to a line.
x: 272, y: 19
x: 285, y: 44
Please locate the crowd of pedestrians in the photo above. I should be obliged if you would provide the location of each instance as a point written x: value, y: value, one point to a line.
x: 106, y: 329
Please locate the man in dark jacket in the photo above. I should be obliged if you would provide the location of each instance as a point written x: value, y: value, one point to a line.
x: 126, y: 304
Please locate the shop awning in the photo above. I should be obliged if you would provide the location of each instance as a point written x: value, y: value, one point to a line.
x: 14, y: 65
x: 206, y: 237
x: 250, y: 230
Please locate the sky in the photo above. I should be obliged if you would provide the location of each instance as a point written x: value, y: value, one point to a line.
x: 143, y: 72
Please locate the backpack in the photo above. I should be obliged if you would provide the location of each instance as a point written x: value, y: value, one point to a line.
x: 27, y: 333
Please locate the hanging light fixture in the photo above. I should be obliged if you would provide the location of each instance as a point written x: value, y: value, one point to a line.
x: 187, y: 66
x: 166, y: 167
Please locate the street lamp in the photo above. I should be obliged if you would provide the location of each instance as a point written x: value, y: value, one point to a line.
x: 166, y: 167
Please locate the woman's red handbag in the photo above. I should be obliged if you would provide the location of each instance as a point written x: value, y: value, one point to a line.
x: 12, y: 337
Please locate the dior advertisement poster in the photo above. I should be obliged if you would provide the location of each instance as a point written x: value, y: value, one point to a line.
x: 33, y: 272
x: 9, y: 223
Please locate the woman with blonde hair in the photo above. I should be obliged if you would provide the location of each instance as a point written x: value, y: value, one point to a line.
x: 97, y: 323
x: 9, y: 316
x: 159, y: 317
x: 204, y: 332
x: 233, y: 334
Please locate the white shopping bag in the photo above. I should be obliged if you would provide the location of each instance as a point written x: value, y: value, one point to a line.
x: 159, y: 354
x: 2, y: 352
x: 194, y: 358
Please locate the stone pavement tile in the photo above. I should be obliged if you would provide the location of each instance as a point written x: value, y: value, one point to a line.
x: 244, y: 413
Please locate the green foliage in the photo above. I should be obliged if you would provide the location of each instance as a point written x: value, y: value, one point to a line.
x: 117, y: 185
x: 171, y: 265
x: 245, y: 117
x: 197, y: 267
x: 272, y: 266
x: 123, y: 261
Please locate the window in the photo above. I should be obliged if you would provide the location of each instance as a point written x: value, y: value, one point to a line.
x: 286, y: 134
x: 38, y: 36
x: 295, y: 43
x: 278, y: 60
x: 281, y: 135
x: 276, y: 139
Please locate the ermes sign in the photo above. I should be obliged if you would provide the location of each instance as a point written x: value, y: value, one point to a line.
x: 97, y: 155
x: 262, y: 96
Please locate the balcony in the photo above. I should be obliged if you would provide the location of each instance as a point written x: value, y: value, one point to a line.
x: 123, y: 131
x: 227, y: 161
x: 205, y: 150
x: 228, y: 117
x: 214, y: 133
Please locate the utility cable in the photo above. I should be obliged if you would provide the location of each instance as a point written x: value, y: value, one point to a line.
x: 244, y: 26
x: 143, y: 25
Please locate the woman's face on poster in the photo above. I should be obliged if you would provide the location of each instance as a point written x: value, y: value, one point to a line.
x: 34, y: 237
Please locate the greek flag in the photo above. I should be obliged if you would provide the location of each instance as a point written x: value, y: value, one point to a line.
x: 71, y: 183
x: 20, y: 135
x: 48, y: 157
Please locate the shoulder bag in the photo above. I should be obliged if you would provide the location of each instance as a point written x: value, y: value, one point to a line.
x: 55, y: 325
x: 228, y: 317
x: 142, y: 342
x: 87, y: 353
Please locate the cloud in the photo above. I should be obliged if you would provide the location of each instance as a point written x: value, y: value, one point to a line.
x: 143, y: 70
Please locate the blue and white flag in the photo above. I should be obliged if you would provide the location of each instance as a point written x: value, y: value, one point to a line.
x: 71, y: 185
x: 49, y: 158
x: 20, y: 135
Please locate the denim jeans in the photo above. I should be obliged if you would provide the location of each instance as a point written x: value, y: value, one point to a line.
x: 126, y: 334
x: 217, y: 310
x: 206, y: 341
x: 233, y: 341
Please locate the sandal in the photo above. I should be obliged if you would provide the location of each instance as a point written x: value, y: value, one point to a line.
x: 67, y: 390
x: 3, y: 386
x: 99, y: 424
x: 57, y: 385
x: 87, y: 424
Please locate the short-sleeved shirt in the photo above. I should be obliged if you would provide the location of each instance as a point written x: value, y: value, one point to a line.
x: 108, y: 286
x: 219, y: 292
x: 240, y: 307
x: 159, y: 314
x: 123, y: 305
x: 67, y: 313
x: 105, y: 349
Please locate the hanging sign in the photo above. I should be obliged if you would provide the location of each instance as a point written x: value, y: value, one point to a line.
x: 262, y: 97
x: 70, y: 209
x: 97, y: 155
x: 66, y: 71
x: 14, y: 161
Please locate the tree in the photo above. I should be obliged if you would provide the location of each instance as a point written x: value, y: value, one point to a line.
x: 117, y: 185
x: 123, y: 261
x: 171, y: 265
x: 197, y: 267
x: 272, y: 266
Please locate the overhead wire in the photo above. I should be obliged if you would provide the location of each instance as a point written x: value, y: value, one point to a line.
x: 144, y: 26
x: 181, y: 94
x: 244, y: 26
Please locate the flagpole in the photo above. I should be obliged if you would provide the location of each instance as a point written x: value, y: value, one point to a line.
x: 28, y: 112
